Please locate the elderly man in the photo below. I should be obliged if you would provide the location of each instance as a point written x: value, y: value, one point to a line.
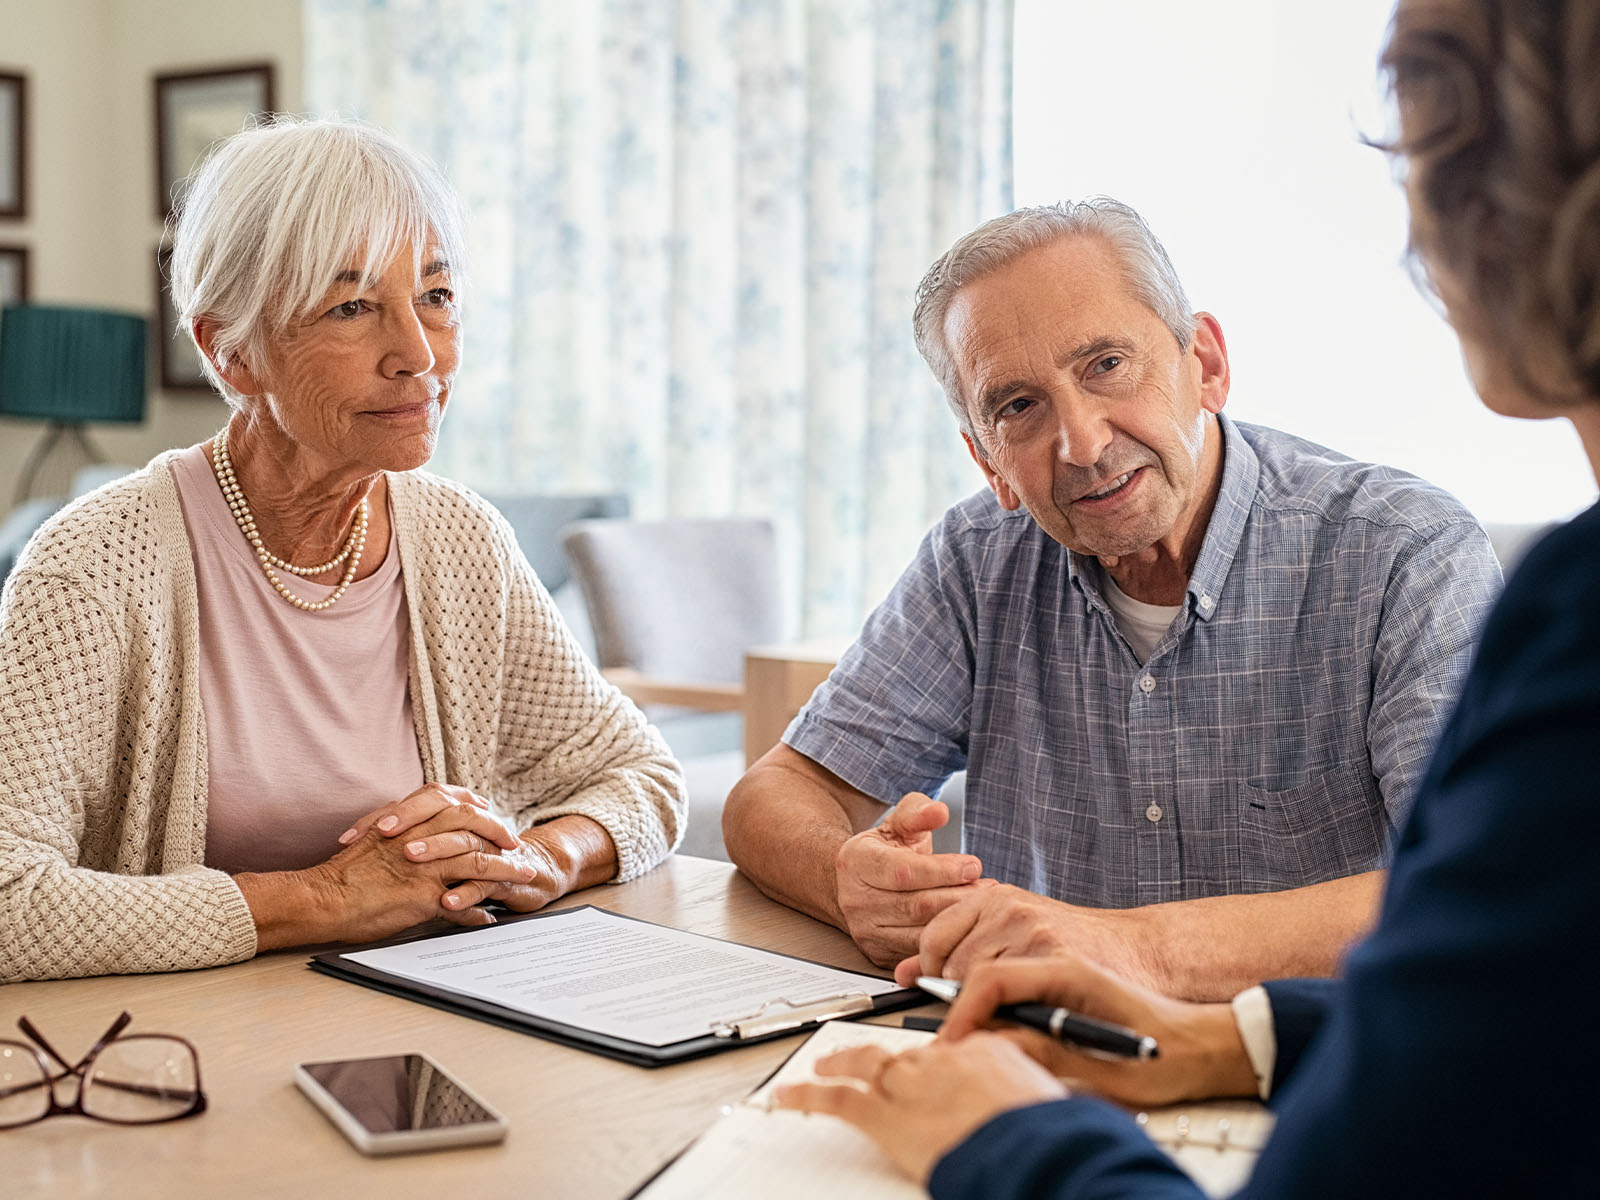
x: 1193, y: 668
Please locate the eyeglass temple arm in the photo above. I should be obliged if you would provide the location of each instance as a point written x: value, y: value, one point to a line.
x: 145, y: 1089
x: 117, y: 1027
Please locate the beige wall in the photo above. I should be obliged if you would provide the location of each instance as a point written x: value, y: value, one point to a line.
x: 91, y: 226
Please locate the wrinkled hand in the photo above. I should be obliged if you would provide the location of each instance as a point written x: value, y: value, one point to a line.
x: 1201, y: 1054
x: 378, y: 885
x: 1005, y: 921
x: 546, y: 882
x: 920, y: 1105
x: 427, y: 802
x: 891, y: 883
x: 472, y: 828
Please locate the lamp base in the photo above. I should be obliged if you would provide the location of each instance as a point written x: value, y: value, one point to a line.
x: 58, y: 429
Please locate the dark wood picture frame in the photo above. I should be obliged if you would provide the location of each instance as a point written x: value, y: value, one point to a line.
x: 195, y: 109
x: 15, y: 285
x: 13, y: 145
x: 177, y: 360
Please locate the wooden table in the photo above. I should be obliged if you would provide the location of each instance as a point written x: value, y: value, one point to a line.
x: 582, y: 1126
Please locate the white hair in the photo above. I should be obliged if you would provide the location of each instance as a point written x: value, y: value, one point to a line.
x: 999, y: 242
x: 276, y: 213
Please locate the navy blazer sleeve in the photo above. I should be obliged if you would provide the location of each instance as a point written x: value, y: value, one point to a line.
x: 1299, y: 1006
x: 1047, y: 1150
x: 1425, y: 1079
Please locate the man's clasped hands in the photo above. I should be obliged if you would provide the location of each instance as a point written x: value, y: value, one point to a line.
x: 935, y: 914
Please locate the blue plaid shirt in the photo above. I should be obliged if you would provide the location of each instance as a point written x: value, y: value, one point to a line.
x: 1275, y: 737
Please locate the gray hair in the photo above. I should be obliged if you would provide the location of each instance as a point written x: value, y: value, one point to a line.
x: 999, y: 242
x: 277, y: 212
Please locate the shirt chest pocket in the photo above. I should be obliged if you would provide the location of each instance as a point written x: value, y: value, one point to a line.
x: 1328, y: 827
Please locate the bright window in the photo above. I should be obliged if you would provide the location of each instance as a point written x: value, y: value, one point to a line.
x: 1235, y: 129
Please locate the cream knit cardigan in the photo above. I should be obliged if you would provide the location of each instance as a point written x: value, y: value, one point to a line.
x: 103, y: 742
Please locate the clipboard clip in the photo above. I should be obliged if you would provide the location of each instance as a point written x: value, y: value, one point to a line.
x: 782, y: 1013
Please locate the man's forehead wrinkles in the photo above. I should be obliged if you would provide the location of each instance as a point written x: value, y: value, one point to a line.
x: 983, y: 355
x: 1019, y: 363
x: 1091, y: 347
x: 1008, y: 366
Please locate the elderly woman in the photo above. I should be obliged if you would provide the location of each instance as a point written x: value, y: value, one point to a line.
x: 283, y: 687
x: 1454, y: 1058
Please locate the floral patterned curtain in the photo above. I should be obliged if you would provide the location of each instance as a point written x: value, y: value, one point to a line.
x: 695, y: 228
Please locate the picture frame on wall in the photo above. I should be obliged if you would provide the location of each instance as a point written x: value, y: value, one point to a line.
x: 14, y: 284
x: 176, y: 357
x: 195, y: 110
x: 13, y: 145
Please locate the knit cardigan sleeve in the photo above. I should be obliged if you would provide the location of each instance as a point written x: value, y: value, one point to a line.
x: 101, y: 813
x: 524, y: 717
x: 573, y: 744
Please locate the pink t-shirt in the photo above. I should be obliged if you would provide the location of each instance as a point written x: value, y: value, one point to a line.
x: 308, y: 714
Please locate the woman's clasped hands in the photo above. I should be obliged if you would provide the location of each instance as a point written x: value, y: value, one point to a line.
x: 438, y: 852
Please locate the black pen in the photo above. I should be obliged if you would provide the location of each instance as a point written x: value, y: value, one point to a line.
x: 1087, y: 1033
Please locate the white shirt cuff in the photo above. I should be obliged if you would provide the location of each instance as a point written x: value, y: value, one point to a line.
x: 1252, y: 1011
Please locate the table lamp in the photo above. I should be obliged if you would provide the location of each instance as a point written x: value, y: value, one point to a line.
x: 69, y: 366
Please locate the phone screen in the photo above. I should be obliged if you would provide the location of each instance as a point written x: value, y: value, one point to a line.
x: 404, y: 1091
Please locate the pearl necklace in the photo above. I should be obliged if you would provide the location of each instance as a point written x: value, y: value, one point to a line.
x: 222, y: 467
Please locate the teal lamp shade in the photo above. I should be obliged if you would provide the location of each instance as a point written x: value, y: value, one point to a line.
x: 71, y: 364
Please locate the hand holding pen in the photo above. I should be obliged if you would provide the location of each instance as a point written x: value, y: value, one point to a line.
x: 1089, y: 1034
x: 1200, y: 1051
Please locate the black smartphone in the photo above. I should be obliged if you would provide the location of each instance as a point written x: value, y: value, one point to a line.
x: 398, y: 1103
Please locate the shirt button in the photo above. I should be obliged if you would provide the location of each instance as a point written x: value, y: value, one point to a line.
x: 1153, y: 812
x: 1206, y: 602
x: 1147, y: 684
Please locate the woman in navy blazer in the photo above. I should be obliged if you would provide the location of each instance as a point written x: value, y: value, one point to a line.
x: 1454, y: 1057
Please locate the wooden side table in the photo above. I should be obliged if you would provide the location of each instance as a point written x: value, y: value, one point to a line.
x: 778, y: 680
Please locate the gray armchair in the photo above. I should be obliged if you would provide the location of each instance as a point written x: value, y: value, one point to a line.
x: 674, y: 605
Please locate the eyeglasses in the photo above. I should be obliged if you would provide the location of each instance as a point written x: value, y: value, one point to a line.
x: 139, y: 1079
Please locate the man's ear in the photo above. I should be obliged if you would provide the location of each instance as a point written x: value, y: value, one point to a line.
x: 1002, y: 490
x: 235, y: 372
x: 1211, y: 352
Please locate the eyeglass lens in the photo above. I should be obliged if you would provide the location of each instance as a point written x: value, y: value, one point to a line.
x: 140, y: 1078
x: 133, y: 1079
x: 24, y: 1089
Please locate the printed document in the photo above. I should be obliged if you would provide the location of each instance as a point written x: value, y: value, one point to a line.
x: 616, y: 976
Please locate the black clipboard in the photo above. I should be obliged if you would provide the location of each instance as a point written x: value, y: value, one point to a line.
x: 776, y: 1020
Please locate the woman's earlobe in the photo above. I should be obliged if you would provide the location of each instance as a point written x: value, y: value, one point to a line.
x: 234, y: 371
x: 237, y: 374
